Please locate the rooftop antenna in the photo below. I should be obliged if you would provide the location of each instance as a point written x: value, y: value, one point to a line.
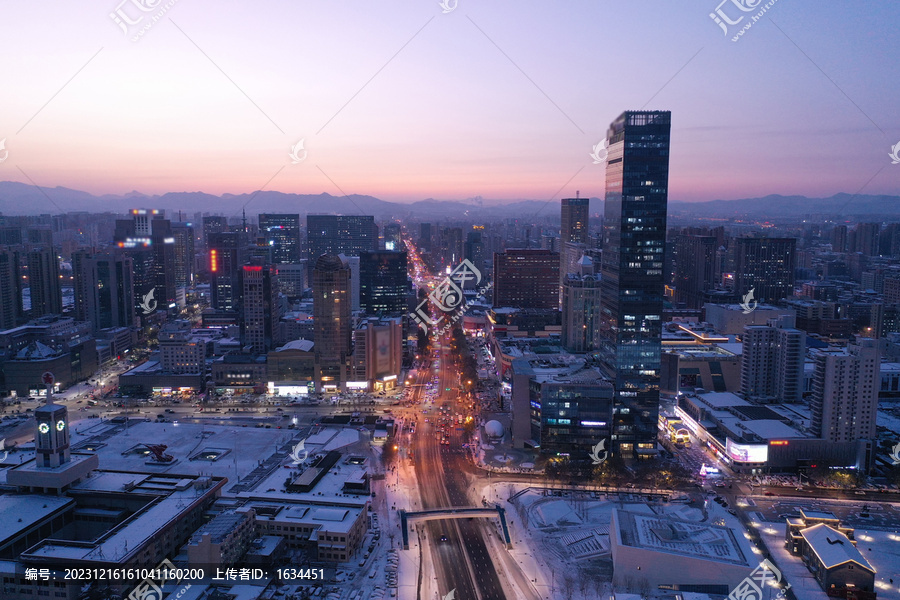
x: 577, y: 194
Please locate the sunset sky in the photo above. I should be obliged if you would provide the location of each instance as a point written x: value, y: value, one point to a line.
x: 398, y: 100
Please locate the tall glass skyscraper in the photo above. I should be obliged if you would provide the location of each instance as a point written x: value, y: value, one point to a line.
x: 634, y: 240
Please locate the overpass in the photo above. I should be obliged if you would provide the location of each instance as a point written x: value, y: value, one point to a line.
x: 453, y: 513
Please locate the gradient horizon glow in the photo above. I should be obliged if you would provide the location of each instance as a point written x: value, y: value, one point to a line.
x: 448, y: 117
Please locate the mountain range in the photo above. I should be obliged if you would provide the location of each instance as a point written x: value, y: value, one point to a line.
x: 23, y: 199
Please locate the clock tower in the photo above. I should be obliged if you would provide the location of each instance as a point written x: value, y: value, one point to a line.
x: 51, y: 437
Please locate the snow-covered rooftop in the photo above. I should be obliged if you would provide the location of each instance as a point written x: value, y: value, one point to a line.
x: 832, y: 547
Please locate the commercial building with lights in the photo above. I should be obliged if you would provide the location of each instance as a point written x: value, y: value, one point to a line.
x: 559, y: 405
x: 756, y: 439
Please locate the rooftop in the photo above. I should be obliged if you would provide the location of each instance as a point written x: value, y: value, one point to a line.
x: 832, y: 547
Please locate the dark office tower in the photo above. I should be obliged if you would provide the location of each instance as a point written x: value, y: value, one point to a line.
x: 383, y: 283
x: 104, y: 289
x: 340, y: 234
x: 580, y: 312
x: 282, y: 233
x: 526, y: 279
x: 213, y: 224
x: 227, y: 254
x: 184, y: 254
x: 10, y: 290
x: 425, y: 237
x: 765, y: 265
x: 148, y: 232
x: 261, y: 307
x: 331, y: 321
x: 864, y: 238
x: 839, y: 238
x: 574, y: 221
x: 392, y: 236
x: 695, y: 268
x: 43, y: 281
x: 451, y: 246
x: 632, y: 279
x: 474, y: 249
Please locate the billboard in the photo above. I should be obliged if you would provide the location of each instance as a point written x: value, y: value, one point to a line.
x: 747, y: 453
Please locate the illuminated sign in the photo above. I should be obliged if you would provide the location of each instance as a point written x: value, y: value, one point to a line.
x: 779, y: 443
x: 43, y: 428
x: 747, y: 453
x: 253, y: 268
x: 60, y: 425
x: 593, y: 423
x: 169, y: 240
x: 213, y: 260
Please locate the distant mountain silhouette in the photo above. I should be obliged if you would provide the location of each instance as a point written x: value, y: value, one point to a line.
x: 21, y: 199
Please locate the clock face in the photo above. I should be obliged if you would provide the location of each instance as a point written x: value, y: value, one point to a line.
x: 43, y: 428
x: 60, y: 425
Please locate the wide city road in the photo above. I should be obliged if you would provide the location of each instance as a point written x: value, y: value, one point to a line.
x: 461, y: 557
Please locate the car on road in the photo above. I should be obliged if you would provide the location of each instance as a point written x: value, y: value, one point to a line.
x: 444, y: 538
x: 768, y: 494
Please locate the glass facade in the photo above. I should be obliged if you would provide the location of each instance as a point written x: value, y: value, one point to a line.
x: 282, y: 233
x: 632, y: 285
x: 570, y: 418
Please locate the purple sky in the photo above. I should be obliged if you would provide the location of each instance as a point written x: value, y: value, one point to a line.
x: 398, y: 100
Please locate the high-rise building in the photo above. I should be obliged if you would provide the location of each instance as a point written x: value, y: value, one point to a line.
x: 184, y: 254
x: 695, y: 268
x: 425, y: 237
x: 772, y: 361
x: 574, y: 220
x: 227, y: 254
x: 340, y: 234
x: 261, y: 307
x: 180, y: 352
x: 43, y: 282
x: 383, y: 283
x: 393, y: 239
x: 844, y: 402
x: 580, y: 312
x: 104, y: 289
x: 633, y: 281
x: 474, y: 249
x: 282, y: 233
x: 213, y: 224
x: 331, y: 321
x: 292, y: 278
x: 765, y: 265
x: 10, y: 290
x: 148, y: 238
x: 526, y: 279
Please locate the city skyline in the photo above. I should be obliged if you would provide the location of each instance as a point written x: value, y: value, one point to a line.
x: 187, y: 109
